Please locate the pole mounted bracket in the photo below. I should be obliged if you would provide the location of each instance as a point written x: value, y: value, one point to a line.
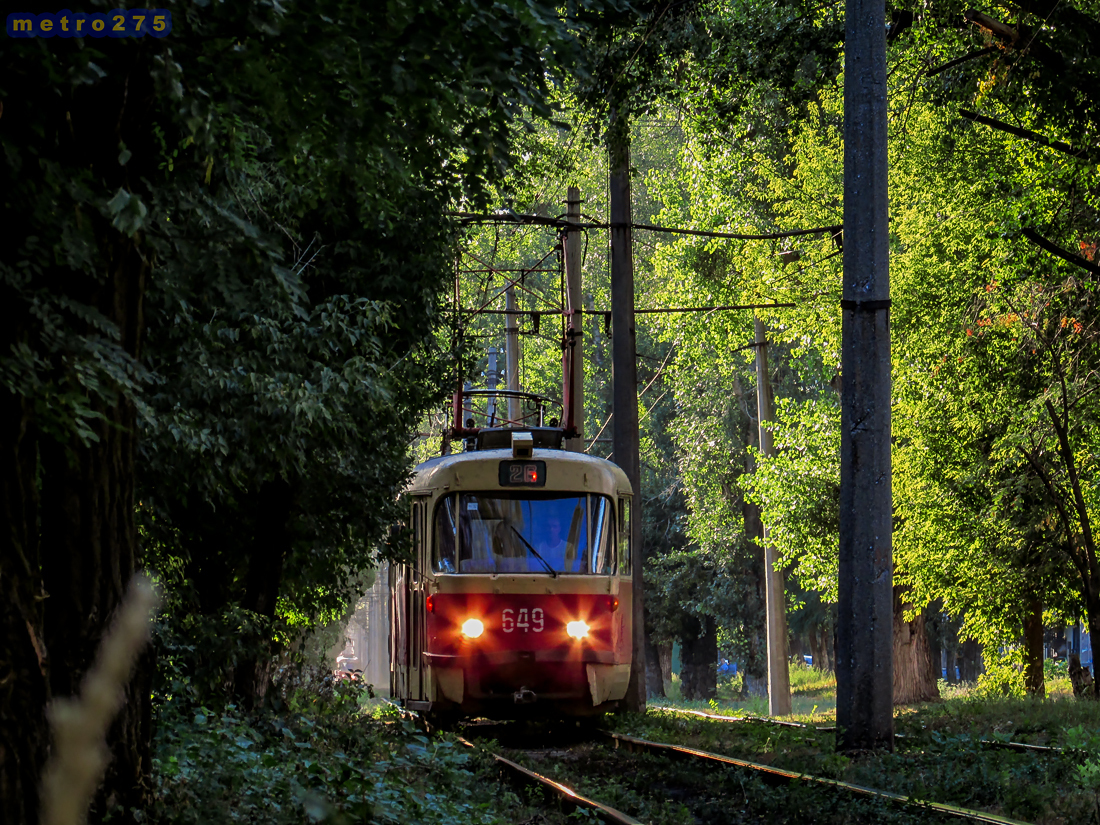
x: 865, y: 306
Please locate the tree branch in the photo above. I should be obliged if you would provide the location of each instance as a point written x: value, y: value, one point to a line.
x: 1056, y: 500
x: 1017, y: 38
x: 1062, y: 431
x: 1054, y: 249
x: 959, y: 60
x: 1027, y: 134
x: 1000, y: 30
x: 1062, y: 12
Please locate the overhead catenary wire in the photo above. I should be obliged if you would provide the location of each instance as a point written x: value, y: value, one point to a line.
x: 655, y: 311
x: 516, y: 218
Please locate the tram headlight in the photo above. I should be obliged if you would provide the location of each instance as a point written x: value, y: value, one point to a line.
x: 472, y: 628
x: 578, y: 629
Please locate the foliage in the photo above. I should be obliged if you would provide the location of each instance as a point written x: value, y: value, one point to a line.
x: 302, y: 359
x: 230, y: 246
x: 799, y: 490
x: 977, y: 525
x: 323, y: 759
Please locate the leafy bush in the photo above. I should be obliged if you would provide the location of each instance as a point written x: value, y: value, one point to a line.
x: 324, y: 759
x: 1055, y: 669
x: 1003, y: 675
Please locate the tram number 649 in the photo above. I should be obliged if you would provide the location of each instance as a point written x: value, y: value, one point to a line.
x: 526, y: 620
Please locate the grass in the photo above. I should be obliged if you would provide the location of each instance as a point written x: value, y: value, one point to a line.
x: 813, y: 699
x: 942, y: 756
x: 813, y: 696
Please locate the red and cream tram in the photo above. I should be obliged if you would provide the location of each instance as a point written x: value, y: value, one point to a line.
x: 518, y: 600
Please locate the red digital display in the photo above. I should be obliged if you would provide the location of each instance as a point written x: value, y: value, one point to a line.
x: 522, y: 474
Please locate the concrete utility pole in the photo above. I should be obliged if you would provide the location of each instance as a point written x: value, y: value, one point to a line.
x: 492, y: 378
x: 865, y: 671
x: 624, y: 379
x: 511, y: 354
x: 574, y: 360
x: 779, y: 677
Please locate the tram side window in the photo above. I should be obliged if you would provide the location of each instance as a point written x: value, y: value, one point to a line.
x: 624, y: 536
x: 603, y: 561
x: 443, y: 559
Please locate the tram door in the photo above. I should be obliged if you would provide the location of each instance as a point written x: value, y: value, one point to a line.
x: 626, y: 581
x: 399, y: 631
x: 409, y: 622
x: 417, y: 607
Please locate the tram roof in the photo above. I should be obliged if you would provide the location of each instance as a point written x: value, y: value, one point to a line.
x: 477, y: 469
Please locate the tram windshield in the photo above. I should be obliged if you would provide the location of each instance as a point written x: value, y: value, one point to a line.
x: 524, y: 533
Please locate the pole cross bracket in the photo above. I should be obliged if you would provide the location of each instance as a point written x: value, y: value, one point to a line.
x: 865, y: 306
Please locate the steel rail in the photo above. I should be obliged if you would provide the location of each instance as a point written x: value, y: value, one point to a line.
x: 1022, y: 747
x: 605, y: 812
x: 746, y: 718
x: 778, y: 776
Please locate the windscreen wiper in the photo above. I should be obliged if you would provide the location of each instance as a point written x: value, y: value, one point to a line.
x: 549, y: 567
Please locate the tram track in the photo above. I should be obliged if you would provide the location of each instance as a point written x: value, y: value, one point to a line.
x: 778, y: 776
x: 557, y: 747
x: 566, y: 796
x: 548, y: 756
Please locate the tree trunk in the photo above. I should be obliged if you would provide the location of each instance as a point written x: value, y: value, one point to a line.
x: 1094, y: 638
x: 933, y: 627
x: 664, y: 653
x: 970, y: 661
x: 1090, y: 590
x: 67, y: 555
x: 89, y: 554
x: 755, y: 678
x: 654, y: 682
x: 24, y: 674
x: 828, y: 648
x: 689, y: 679
x: 90, y: 550
x: 1080, y: 678
x: 1034, y: 683
x: 707, y: 664
x: 270, y: 548
x: 699, y: 660
x: 794, y: 649
x: 913, y: 680
x: 951, y: 646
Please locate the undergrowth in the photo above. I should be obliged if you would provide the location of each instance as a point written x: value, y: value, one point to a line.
x: 330, y: 754
x: 320, y: 760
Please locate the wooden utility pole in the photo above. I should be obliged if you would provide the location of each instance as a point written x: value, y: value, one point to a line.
x: 624, y: 380
x: 779, y: 678
x: 864, y: 671
x: 574, y: 354
x: 511, y: 354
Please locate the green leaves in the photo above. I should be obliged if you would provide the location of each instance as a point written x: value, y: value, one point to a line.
x: 127, y: 211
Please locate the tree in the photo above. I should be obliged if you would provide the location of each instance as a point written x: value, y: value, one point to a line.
x: 125, y: 166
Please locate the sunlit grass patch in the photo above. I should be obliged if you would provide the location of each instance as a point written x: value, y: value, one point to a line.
x: 947, y: 752
x: 813, y: 697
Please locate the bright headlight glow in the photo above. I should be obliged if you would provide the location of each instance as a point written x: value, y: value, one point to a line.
x: 578, y: 630
x: 472, y: 628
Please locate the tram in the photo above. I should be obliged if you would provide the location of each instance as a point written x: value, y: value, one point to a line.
x: 517, y: 600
